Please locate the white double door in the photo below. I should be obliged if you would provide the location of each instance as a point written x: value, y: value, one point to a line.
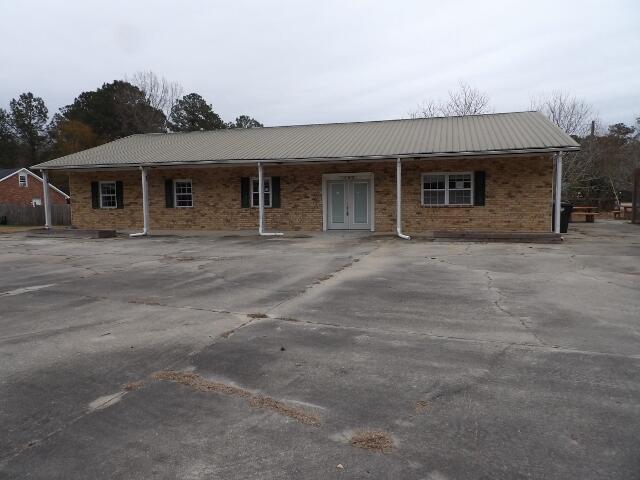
x: 349, y: 203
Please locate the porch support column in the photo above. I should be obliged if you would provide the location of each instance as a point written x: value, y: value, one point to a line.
x: 399, y: 201
x: 261, y: 204
x: 46, y: 199
x: 260, y: 199
x: 145, y: 203
x: 557, y: 192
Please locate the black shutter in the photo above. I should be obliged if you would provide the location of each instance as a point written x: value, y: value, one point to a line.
x: 95, y: 194
x: 478, y: 188
x: 244, y: 192
x: 168, y: 193
x: 275, y: 192
x: 119, y: 195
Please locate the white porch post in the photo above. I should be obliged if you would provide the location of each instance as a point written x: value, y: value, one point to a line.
x: 399, y: 201
x: 558, y: 193
x: 145, y: 203
x: 47, y: 203
x: 260, y: 200
x: 145, y: 200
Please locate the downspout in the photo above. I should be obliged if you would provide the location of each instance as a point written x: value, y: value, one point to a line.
x: 261, y: 231
x: 399, y: 201
x: 558, y: 193
x: 47, y: 202
x: 145, y: 205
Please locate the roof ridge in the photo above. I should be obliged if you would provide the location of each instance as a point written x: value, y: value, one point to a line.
x: 356, y: 122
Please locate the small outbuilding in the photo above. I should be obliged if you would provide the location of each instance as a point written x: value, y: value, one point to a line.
x: 480, y: 173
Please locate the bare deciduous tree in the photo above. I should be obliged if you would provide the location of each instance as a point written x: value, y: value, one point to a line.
x: 571, y: 114
x: 466, y: 100
x: 427, y: 109
x: 160, y: 92
x: 574, y: 116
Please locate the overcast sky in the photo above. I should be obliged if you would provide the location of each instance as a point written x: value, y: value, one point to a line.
x: 292, y: 62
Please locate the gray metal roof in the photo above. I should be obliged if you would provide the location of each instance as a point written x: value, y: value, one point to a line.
x: 500, y: 133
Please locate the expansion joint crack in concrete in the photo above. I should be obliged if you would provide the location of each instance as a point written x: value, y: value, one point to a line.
x: 541, y: 346
x: 498, y: 302
x: 325, y: 278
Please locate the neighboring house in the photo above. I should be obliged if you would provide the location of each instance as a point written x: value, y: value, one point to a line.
x: 489, y: 173
x: 19, y: 186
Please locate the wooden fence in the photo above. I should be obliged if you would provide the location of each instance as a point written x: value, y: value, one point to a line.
x: 27, y: 215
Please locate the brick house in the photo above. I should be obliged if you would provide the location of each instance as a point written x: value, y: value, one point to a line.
x: 482, y: 173
x: 19, y: 186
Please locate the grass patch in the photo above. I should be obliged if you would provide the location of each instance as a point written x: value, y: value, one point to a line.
x: 196, y: 382
x: 131, y: 386
x: 375, y: 440
x: 257, y: 315
x: 268, y: 403
x: 200, y: 384
x: 17, y: 228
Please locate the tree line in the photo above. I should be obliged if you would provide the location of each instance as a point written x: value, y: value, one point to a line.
x: 145, y: 103
x: 600, y: 174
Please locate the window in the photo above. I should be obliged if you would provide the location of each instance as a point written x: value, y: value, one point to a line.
x: 255, y: 193
x: 108, y: 195
x: 36, y: 202
x: 22, y: 180
x: 447, y: 189
x: 183, y: 193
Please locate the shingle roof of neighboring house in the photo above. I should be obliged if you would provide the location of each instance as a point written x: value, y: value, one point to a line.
x: 499, y: 133
x: 5, y: 172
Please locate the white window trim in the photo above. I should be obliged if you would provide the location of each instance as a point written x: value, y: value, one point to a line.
x: 26, y: 180
x: 175, y: 195
x: 446, y: 190
x: 115, y: 190
x: 251, y: 192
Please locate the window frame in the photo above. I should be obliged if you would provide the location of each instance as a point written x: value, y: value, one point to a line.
x: 175, y: 192
x: 26, y: 180
x: 446, y: 190
x: 251, y: 192
x: 115, y: 194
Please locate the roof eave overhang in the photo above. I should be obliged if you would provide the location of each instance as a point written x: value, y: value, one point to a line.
x: 302, y: 161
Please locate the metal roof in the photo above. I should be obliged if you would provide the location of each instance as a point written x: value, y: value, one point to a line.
x: 499, y: 133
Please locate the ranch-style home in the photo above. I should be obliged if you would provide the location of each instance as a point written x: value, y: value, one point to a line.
x: 480, y: 173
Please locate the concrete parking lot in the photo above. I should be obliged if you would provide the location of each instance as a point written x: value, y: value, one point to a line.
x: 242, y: 357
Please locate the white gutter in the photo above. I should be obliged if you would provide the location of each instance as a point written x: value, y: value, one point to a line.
x: 261, y: 231
x: 301, y: 161
x: 399, y: 201
x: 47, y: 202
x: 558, y: 193
x: 145, y: 204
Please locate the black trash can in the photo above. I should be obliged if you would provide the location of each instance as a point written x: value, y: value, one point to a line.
x: 565, y: 214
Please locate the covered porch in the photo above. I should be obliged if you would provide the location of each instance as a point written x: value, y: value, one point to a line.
x: 502, y: 194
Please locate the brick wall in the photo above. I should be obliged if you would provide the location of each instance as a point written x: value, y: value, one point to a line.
x: 518, y: 195
x: 13, y: 194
